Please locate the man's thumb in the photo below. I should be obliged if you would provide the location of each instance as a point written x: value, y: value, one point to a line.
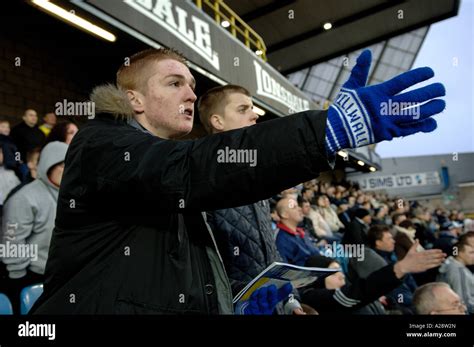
x: 360, y: 72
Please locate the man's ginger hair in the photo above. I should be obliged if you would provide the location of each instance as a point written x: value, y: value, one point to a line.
x: 133, y: 75
x: 214, y: 102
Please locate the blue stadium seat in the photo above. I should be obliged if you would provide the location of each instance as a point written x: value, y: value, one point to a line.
x: 5, y: 305
x: 28, y: 297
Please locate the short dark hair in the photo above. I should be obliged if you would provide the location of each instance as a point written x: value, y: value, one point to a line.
x: 376, y: 233
x: 407, y: 224
x: 465, y: 236
x: 461, y: 245
x: 319, y: 196
x: 302, y: 201
x: 132, y: 76
x: 396, y: 216
x: 59, y: 132
x: 214, y: 100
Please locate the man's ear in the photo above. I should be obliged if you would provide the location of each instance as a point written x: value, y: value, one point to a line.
x: 283, y: 214
x: 136, y: 100
x: 217, y: 122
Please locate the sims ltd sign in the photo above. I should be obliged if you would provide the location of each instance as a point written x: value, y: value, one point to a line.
x: 175, y: 20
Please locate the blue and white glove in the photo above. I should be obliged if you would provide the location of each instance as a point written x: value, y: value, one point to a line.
x: 264, y: 300
x: 362, y: 115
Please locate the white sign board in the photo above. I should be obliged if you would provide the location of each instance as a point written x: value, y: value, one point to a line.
x: 368, y: 182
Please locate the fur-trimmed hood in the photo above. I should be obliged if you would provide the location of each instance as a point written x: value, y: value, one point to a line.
x: 112, y: 100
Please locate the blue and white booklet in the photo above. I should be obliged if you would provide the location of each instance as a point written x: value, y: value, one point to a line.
x: 280, y: 274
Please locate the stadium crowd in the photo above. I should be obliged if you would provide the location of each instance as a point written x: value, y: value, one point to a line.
x: 305, y: 225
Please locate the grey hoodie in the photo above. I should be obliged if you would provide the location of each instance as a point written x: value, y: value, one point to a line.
x: 461, y: 280
x: 29, y: 217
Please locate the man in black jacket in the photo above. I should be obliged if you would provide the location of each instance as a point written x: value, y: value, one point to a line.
x: 130, y: 236
x: 26, y: 135
x: 356, y: 232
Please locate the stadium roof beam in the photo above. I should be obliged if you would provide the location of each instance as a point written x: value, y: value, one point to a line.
x: 266, y: 9
x: 355, y: 24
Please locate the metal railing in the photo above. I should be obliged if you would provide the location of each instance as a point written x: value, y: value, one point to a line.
x: 237, y: 27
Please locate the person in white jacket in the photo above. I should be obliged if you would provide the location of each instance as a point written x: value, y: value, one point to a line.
x: 329, y: 215
x: 454, y: 272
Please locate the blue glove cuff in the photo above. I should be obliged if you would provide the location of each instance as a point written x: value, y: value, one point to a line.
x: 348, y: 123
x: 336, y: 136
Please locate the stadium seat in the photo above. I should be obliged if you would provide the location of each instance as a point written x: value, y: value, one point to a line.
x: 28, y: 297
x: 5, y: 305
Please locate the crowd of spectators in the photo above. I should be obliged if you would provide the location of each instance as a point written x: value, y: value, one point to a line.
x: 302, y: 225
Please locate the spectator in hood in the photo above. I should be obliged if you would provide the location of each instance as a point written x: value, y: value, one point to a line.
x: 29, y: 217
